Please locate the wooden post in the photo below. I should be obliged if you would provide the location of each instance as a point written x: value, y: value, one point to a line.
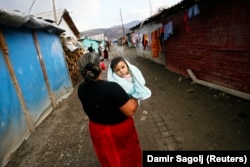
x: 4, y: 48
x: 46, y: 78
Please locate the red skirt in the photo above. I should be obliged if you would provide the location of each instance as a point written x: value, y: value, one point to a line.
x: 116, y: 145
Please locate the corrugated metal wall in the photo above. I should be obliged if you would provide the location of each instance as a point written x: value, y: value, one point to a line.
x: 217, y: 47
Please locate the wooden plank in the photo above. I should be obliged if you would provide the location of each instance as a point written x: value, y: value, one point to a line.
x: 4, y: 48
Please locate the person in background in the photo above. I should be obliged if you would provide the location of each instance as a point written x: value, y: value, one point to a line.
x: 108, y: 45
x: 105, y: 53
x: 100, y: 50
x: 129, y: 77
x: 91, y: 49
x: 110, y: 112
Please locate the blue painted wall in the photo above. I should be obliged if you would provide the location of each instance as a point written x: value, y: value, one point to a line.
x: 27, y: 68
x: 12, y: 120
x: 55, y: 63
x: 25, y: 62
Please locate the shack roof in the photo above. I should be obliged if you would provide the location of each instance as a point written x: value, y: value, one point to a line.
x: 60, y: 14
x: 17, y: 19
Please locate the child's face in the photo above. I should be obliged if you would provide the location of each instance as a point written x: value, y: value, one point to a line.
x: 121, y: 69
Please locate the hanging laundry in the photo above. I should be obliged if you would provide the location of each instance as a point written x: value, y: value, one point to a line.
x: 185, y: 19
x: 149, y: 38
x: 155, y: 45
x: 144, y: 41
x: 160, y: 31
x: 168, y: 30
x: 193, y: 11
x: 160, y: 35
x: 140, y: 39
x: 196, y: 9
x: 133, y: 38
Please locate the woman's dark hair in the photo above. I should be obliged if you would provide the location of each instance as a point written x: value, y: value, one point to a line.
x: 89, y: 65
x: 115, y: 61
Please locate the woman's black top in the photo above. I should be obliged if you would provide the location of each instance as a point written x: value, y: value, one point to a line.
x: 101, y: 101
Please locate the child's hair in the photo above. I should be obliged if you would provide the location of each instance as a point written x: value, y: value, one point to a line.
x: 115, y: 61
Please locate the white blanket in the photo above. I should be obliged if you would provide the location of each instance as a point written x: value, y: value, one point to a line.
x: 137, y: 89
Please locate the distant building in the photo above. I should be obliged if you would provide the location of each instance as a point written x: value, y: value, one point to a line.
x: 98, y: 37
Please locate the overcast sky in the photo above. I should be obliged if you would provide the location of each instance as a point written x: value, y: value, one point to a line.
x: 90, y: 14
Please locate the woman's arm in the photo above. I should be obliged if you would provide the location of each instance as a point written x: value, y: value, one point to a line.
x: 129, y: 107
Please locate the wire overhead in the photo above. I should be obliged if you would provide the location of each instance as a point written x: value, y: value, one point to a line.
x: 31, y: 6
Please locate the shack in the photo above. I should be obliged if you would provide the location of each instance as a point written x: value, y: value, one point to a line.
x: 33, y: 74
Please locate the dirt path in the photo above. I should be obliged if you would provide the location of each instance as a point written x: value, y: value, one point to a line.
x: 180, y: 115
x: 200, y: 117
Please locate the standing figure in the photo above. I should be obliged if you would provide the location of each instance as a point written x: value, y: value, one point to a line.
x: 106, y: 54
x: 100, y: 50
x: 110, y: 112
x: 108, y: 45
x: 91, y: 49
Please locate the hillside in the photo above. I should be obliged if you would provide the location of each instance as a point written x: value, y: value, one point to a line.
x: 112, y: 32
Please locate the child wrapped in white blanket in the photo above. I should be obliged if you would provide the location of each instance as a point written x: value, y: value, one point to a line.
x: 129, y: 77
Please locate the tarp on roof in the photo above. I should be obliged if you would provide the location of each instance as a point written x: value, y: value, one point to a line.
x: 17, y: 19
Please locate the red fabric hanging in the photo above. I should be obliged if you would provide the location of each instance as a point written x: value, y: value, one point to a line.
x: 155, y: 45
x: 144, y: 41
x: 185, y: 19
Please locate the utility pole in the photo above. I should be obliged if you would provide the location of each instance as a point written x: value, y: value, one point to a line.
x: 122, y: 26
x: 150, y: 7
x: 54, y: 11
x: 122, y: 23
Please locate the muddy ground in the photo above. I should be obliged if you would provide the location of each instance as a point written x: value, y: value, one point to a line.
x: 194, y: 116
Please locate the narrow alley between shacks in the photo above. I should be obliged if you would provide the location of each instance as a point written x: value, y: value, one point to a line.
x: 180, y: 115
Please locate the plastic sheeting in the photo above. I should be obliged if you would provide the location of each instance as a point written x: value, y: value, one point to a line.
x: 17, y: 19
